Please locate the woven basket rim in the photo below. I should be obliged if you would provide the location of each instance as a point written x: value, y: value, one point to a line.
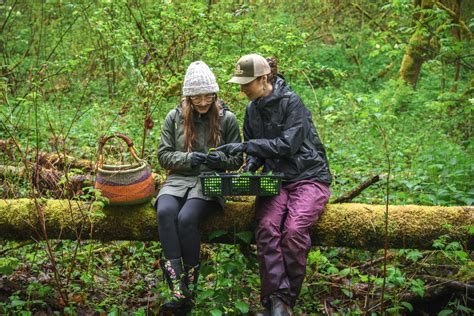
x: 114, y: 169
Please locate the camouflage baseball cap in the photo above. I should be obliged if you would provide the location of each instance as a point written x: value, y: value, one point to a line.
x: 248, y: 68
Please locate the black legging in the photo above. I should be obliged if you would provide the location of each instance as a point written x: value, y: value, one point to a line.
x: 178, y: 220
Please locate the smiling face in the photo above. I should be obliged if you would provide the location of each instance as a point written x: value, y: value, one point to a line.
x: 202, y: 102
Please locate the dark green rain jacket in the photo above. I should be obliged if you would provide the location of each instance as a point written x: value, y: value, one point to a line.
x: 173, y: 156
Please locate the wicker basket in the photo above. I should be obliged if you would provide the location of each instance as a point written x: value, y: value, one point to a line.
x: 124, y: 184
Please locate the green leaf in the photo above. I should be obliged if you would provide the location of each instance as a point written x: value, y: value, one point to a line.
x: 15, y: 303
x: 464, y: 309
x: 408, y: 306
x: 8, y: 265
x: 445, y: 312
x: 245, y: 236
x: 140, y: 312
x: 217, y: 234
x: 438, y: 244
x: 242, y: 306
x: 414, y: 255
x: 462, y: 255
x: 332, y: 270
x: 453, y: 246
x: 417, y: 287
x: 99, y: 214
x: 216, y: 312
x: 207, y: 293
x: 348, y: 293
x: 393, y: 310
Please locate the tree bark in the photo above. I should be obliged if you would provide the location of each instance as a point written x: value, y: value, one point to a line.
x: 62, y: 162
x: 416, y: 50
x: 348, y: 225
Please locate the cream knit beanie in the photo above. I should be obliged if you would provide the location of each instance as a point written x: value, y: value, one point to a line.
x: 199, y: 79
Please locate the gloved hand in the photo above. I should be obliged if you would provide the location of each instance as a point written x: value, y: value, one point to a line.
x: 197, y: 158
x: 251, y: 167
x: 232, y: 148
x: 214, y: 159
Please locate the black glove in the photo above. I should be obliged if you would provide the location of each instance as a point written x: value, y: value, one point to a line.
x: 251, y: 167
x: 214, y: 159
x: 197, y: 158
x: 232, y: 148
x: 253, y: 163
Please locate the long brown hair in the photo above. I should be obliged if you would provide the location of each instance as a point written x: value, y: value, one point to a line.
x: 273, y: 63
x: 189, y: 130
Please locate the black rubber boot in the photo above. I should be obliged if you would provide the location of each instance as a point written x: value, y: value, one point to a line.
x: 173, y: 273
x: 191, y: 278
x: 279, y: 308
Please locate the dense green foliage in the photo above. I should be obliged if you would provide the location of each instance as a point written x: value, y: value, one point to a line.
x: 74, y: 70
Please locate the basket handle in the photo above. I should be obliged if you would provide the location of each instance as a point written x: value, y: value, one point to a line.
x: 104, y: 139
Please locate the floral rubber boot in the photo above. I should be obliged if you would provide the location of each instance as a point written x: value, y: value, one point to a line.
x: 173, y: 273
x: 191, y: 279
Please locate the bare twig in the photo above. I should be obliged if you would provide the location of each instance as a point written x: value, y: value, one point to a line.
x: 383, y: 28
x: 8, y: 16
x: 349, y: 196
x: 454, y: 16
x: 387, y: 196
x: 374, y: 262
x: 453, y: 284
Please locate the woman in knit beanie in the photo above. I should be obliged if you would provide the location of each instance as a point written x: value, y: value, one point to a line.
x: 199, y: 123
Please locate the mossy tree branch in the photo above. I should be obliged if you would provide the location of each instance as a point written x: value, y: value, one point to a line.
x: 349, y: 225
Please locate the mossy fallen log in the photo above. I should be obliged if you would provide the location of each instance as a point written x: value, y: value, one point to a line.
x: 348, y: 225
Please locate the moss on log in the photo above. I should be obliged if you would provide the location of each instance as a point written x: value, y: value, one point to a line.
x: 349, y: 225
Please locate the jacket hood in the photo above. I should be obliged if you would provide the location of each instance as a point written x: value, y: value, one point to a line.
x: 280, y: 88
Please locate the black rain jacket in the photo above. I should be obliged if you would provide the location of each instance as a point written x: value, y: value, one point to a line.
x: 280, y: 134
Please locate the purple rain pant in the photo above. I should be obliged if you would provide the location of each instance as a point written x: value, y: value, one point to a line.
x: 282, y: 236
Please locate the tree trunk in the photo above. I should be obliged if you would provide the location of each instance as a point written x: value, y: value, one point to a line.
x: 456, y: 31
x: 416, y: 50
x: 348, y: 225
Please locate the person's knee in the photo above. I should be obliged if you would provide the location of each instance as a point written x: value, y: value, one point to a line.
x: 166, y: 213
x: 269, y: 223
x: 292, y: 232
x: 186, y: 222
x: 267, y: 227
x: 296, y: 237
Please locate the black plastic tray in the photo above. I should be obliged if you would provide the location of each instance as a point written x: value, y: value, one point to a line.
x: 221, y: 184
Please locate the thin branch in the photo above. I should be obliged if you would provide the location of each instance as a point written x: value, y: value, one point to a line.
x: 453, y: 284
x: 383, y: 28
x: 349, y: 196
x: 8, y: 17
x: 387, y: 196
x: 64, y: 34
x: 454, y: 16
